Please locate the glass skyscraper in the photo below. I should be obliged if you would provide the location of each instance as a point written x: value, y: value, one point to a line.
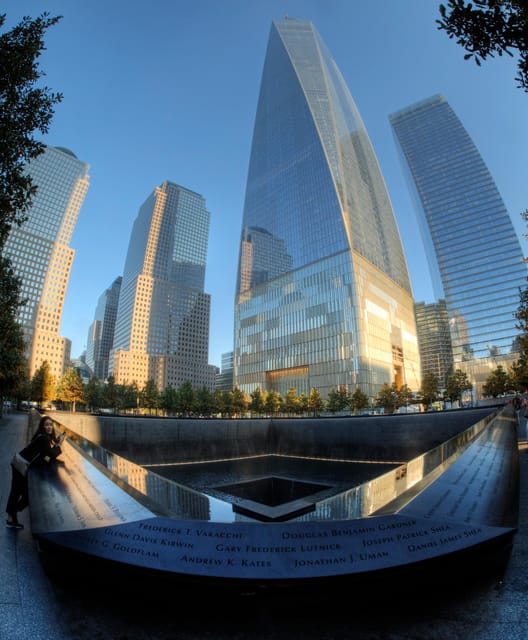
x: 475, y: 256
x: 434, y: 339
x: 42, y: 258
x: 323, y: 296
x: 162, y: 324
x: 101, y: 332
x: 224, y: 378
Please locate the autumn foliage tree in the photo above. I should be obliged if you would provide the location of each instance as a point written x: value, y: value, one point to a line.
x: 43, y: 384
x: 70, y: 388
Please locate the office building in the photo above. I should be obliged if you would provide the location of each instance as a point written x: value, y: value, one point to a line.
x: 162, y: 324
x: 101, y: 331
x: 475, y: 256
x: 323, y: 296
x: 79, y: 364
x: 224, y: 378
x: 434, y: 340
x: 42, y: 257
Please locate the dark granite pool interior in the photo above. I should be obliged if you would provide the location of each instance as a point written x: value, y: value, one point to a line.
x: 272, y: 481
x: 277, y: 470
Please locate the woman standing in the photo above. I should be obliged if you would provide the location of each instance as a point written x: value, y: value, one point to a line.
x: 43, y: 449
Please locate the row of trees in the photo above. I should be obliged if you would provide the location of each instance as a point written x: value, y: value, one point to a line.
x: 70, y: 391
x: 184, y: 401
x: 187, y: 401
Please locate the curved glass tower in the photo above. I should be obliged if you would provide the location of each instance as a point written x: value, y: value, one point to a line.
x: 473, y: 250
x: 323, y: 294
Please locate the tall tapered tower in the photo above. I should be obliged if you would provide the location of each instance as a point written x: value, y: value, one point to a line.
x: 162, y: 325
x: 323, y: 294
x: 474, y: 254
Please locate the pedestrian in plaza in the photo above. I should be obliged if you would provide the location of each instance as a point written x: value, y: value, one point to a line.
x: 44, y: 448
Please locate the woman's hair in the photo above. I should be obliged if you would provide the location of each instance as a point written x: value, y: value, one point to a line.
x: 40, y: 428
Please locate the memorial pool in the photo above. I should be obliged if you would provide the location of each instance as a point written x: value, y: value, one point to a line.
x: 280, y: 502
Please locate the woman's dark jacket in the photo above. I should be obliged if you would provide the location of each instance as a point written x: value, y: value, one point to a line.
x: 41, y: 449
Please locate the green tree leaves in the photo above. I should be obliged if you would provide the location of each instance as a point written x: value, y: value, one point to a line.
x: 497, y: 383
x: 456, y: 384
x: 430, y: 388
x: 24, y: 109
x: 488, y: 27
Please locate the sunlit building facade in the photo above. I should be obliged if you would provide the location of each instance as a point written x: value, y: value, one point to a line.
x: 475, y: 255
x: 42, y: 257
x: 323, y: 296
x: 101, y: 331
x: 162, y: 324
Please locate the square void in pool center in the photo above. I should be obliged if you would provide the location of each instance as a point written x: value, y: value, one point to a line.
x: 273, y: 498
x: 273, y: 488
x: 273, y: 491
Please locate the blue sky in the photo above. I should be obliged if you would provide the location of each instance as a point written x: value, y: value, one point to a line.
x: 167, y: 90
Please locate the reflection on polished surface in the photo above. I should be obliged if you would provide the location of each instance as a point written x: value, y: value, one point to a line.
x: 276, y: 516
x: 354, y: 488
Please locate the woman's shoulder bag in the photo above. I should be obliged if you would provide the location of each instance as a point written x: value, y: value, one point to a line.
x: 20, y: 464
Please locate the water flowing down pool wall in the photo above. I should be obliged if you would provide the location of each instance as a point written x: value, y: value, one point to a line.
x: 280, y: 501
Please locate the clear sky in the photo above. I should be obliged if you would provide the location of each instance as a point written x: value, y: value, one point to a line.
x: 160, y: 90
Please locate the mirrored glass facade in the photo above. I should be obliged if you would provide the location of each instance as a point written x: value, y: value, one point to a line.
x: 434, y: 338
x: 42, y: 257
x: 471, y: 241
x: 323, y: 294
x: 162, y: 324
